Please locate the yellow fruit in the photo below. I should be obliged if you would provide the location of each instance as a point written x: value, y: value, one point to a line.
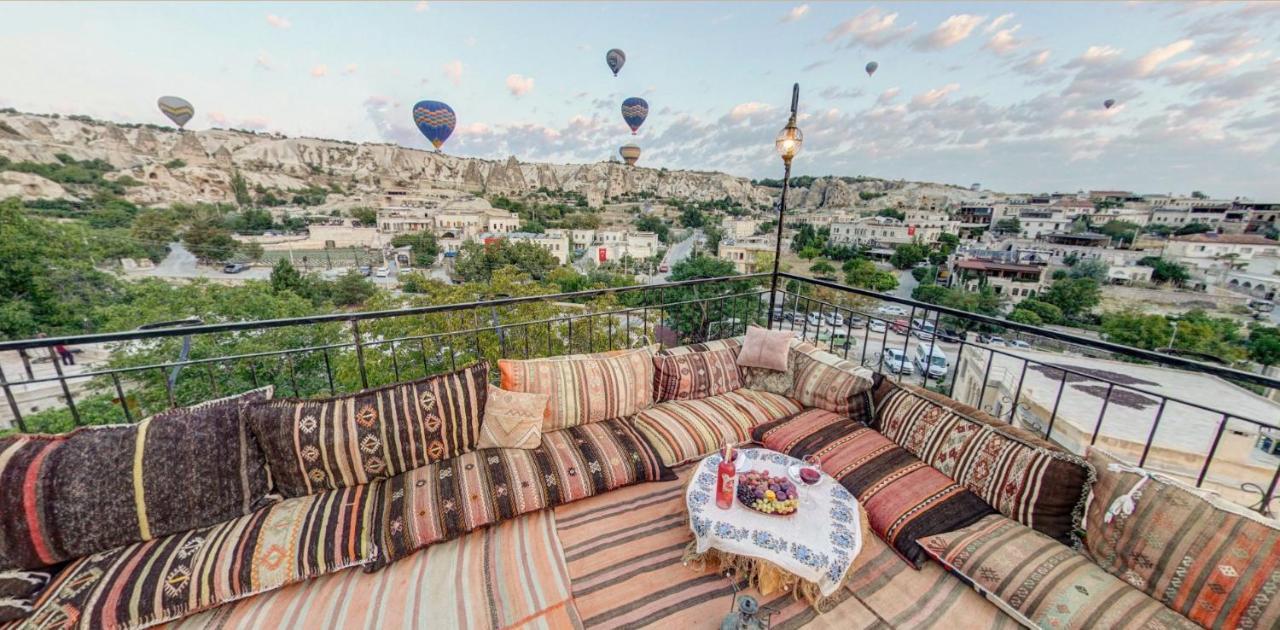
x: 770, y: 495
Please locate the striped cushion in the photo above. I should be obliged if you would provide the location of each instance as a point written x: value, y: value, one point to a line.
x: 685, y: 430
x: 1025, y: 478
x: 904, y: 498
x: 95, y: 488
x: 18, y: 591
x: 694, y: 375
x: 327, y: 443
x: 585, y: 388
x: 1044, y: 583
x: 826, y: 381
x: 1216, y: 563
x: 447, y: 499
x: 168, y: 578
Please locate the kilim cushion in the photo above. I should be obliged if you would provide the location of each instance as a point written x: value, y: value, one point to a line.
x: 1214, y: 562
x: 693, y: 375
x: 512, y: 419
x: 826, y: 381
x: 905, y: 499
x: 1043, y: 583
x: 326, y: 443
x: 764, y: 348
x: 585, y: 388
x: 95, y: 488
x: 1025, y: 478
x: 170, y: 577
x: 732, y: 344
x: 685, y: 430
x: 450, y: 498
x: 18, y: 590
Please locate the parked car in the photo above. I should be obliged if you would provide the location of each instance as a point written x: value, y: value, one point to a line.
x: 815, y: 319
x: 895, y: 361
x: 1017, y: 343
x: 892, y: 309
x: 877, y: 326
x: 366, y: 270
x: 931, y: 359
x: 901, y: 326
x: 855, y: 321
x: 664, y: 268
x: 953, y: 334
x: 835, y: 319
x: 991, y: 339
x: 922, y: 328
x: 234, y: 267
x: 382, y: 272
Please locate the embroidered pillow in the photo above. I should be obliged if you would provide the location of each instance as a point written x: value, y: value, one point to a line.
x: 1045, y: 584
x: 512, y: 419
x: 70, y: 495
x: 327, y: 443
x: 585, y: 388
x: 826, y: 381
x: 904, y: 498
x: 18, y: 590
x: 694, y: 375
x: 1212, y: 561
x: 764, y: 348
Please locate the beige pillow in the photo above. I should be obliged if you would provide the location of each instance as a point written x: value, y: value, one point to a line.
x: 512, y: 419
x: 764, y: 348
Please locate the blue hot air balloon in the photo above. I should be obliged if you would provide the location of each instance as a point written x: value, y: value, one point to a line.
x: 1109, y: 103
x: 435, y: 120
x: 615, y: 58
x: 871, y: 68
x: 634, y: 111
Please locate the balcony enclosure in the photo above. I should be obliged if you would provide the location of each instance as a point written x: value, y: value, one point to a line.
x: 1197, y: 422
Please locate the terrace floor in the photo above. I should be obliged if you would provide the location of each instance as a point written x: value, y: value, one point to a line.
x: 611, y: 561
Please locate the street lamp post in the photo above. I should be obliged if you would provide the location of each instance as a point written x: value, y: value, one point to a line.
x: 788, y: 145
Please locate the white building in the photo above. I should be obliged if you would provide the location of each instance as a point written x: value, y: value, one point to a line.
x: 1219, y: 251
x: 557, y: 245
x: 743, y: 252
x: 887, y: 231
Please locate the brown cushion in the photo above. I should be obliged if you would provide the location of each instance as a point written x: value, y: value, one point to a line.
x: 327, y: 443
x: 1043, y: 583
x: 512, y: 419
x: 18, y: 590
x: 1212, y: 561
x: 826, y: 381
x: 95, y: 488
x: 585, y: 388
x: 693, y: 375
x: 450, y: 498
x: 685, y: 430
x: 764, y: 348
x: 905, y: 499
x: 149, y: 583
x: 1026, y: 478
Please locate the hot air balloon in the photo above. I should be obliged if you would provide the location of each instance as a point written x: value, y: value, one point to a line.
x: 435, y: 120
x: 871, y: 68
x: 630, y: 153
x: 1109, y: 103
x: 615, y: 58
x: 634, y: 111
x: 179, y: 110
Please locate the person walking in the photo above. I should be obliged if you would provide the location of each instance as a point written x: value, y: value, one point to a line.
x: 65, y: 354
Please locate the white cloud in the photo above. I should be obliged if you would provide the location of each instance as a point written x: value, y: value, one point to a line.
x: 950, y: 32
x: 795, y: 13
x: 1095, y: 54
x: 350, y: 69
x: 833, y: 92
x: 744, y: 111
x: 519, y: 85
x: 453, y: 70
x: 997, y: 23
x: 278, y: 21
x: 1148, y: 63
x: 264, y: 62
x: 888, y: 95
x: 1033, y: 61
x: 1004, y: 41
x: 421, y: 6
x: 319, y: 70
x: 932, y: 97
x: 217, y: 118
x: 470, y: 41
x: 872, y: 28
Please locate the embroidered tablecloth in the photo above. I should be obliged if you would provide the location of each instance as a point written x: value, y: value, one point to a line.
x: 816, y: 544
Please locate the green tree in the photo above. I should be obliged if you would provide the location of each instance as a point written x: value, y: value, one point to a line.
x: 695, y: 313
x: 285, y: 277
x: 154, y: 225
x: 908, y: 255
x: 366, y: 216
x: 240, y: 188
x: 1024, y: 316
x: 252, y: 251
x: 692, y: 217
x: 1090, y: 268
x: 1048, y: 313
x: 892, y: 214
x: 1264, y: 345
x: 1193, y: 228
x: 1166, y: 271
x: 250, y: 221
x: 655, y: 224
x: 809, y: 253
x: 1074, y: 296
x: 477, y: 263
x: 864, y: 274
x: 425, y: 246
x: 823, y: 269
x: 1121, y: 232
x: 209, y: 241
x: 1011, y: 225
x: 351, y: 289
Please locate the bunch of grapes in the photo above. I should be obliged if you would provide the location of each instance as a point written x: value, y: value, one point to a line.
x: 771, y: 495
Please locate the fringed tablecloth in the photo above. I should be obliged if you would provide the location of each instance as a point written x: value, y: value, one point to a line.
x: 808, y: 552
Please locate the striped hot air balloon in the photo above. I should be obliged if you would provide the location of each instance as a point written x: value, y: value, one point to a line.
x: 615, y: 58
x: 630, y: 153
x: 634, y: 111
x: 435, y: 120
x: 179, y: 110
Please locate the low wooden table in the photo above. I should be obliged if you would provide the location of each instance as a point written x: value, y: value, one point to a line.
x: 808, y: 552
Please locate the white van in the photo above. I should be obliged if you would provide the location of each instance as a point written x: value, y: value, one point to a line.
x: 935, y: 366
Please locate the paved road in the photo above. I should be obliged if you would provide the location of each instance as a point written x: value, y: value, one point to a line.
x: 678, y: 252
x: 181, y: 263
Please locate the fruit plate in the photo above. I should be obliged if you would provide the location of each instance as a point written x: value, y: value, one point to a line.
x: 767, y: 494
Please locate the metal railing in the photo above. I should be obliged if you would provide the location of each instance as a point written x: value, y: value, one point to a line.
x: 1045, y: 388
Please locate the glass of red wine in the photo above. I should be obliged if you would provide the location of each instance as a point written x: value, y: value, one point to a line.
x: 811, y: 472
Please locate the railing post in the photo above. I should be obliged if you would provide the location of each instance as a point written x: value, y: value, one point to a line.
x: 13, y: 403
x: 355, y: 334
x: 66, y: 391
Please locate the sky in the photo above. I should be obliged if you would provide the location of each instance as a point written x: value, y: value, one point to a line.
x: 1006, y: 95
